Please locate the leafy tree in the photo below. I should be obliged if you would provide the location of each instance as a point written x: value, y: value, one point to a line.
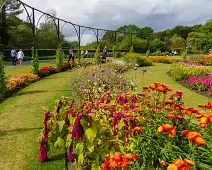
x: 178, y: 44
x: 196, y: 40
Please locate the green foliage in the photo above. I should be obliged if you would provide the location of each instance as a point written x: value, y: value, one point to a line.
x: 178, y: 44
x: 183, y: 71
x: 196, y: 40
x: 148, y: 53
x: 35, y: 62
x: 59, y: 59
x: 143, y: 61
x: 114, y: 51
x: 3, y: 87
x: 97, y: 55
x: 184, y: 55
x: 131, y: 50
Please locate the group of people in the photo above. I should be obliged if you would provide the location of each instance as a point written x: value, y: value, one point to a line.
x: 17, y: 56
x: 87, y: 54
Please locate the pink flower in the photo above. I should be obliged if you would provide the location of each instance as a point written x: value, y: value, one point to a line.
x: 43, y: 152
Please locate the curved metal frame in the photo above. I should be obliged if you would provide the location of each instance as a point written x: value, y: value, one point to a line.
x: 79, y: 35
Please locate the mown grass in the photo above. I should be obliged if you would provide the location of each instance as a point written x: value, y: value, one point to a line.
x: 158, y: 73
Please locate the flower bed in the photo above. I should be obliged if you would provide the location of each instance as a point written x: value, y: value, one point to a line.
x: 207, y: 61
x: 202, y: 83
x: 152, y: 127
x: 23, y: 81
x: 164, y: 59
x: 181, y: 71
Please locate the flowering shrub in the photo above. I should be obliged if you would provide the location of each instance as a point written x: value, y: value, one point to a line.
x: 138, y: 59
x: 137, y: 123
x: 202, y: 83
x: 164, y: 59
x: 15, y: 83
x: 180, y: 71
x: 46, y: 71
x: 92, y: 82
x: 3, y: 87
x: 207, y: 61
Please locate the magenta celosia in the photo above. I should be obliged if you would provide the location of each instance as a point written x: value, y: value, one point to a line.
x: 78, y: 130
x: 43, y: 152
x: 116, y: 118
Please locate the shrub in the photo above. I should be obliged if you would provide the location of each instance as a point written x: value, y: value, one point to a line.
x: 180, y: 71
x: 97, y: 55
x: 59, y: 59
x: 114, y: 51
x: 3, y: 87
x: 162, y: 59
x: 196, y: 59
x: 144, y: 61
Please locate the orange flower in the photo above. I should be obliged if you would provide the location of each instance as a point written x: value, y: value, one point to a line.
x: 104, y: 166
x: 182, y: 107
x: 179, y: 117
x: 199, y: 116
x: 192, y: 135
x: 172, y: 167
x: 138, y: 129
x: 200, y: 141
x: 189, y: 113
x: 171, y: 116
x: 160, y: 129
x: 199, y: 112
x: 163, y: 163
x: 189, y: 163
x: 128, y: 115
x: 184, y: 167
x: 118, y: 156
x: 125, y: 163
x: 179, y: 93
x: 159, y: 107
x: 210, y: 119
x: 152, y: 87
x: 167, y: 127
x: 204, y: 120
x: 129, y: 157
x: 203, y: 126
x: 145, y: 87
x: 185, y: 133
x: 172, y: 133
x: 179, y: 163
x: 135, y: 158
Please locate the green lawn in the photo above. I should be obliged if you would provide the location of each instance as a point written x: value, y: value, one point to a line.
x: 157, y: 73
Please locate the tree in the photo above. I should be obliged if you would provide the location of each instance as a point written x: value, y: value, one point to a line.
x: 10, y: 11
x: 146, y: 33
x: 196, y: 40
x: 178, y: 44
x: 157, y: 45
x: 182, y: 31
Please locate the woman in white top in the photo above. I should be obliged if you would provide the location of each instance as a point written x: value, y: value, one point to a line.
x: 20, y: 56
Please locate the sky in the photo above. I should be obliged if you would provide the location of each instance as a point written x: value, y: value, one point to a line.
x: 110, y: 14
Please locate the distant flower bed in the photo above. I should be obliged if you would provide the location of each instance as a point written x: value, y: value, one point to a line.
x: 207, y: 61
x: 181, y: 71
x: 202, y: 83
x: 14, y: 83
x: 164, y: 59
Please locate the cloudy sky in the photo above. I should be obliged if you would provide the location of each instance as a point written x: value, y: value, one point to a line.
x: 110, y: 14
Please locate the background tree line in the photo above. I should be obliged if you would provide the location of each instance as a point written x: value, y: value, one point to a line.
x: 15, y: 32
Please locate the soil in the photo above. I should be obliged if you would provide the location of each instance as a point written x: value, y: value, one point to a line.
x: 185, y: 83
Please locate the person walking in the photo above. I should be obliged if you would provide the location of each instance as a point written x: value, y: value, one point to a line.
x: 20, y: 56
x: 82, y: 54
x: 13, y: 54
x: 71, y: 55
x: 105, y: 53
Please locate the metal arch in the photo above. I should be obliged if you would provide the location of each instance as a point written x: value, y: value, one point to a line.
x: 27, y: 13
x: 39, y: 20
x: 83, y: 33
x: 53, y: 19
x: 63, y: 26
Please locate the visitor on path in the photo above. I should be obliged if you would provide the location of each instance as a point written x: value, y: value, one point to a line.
x: 82, y: 54
x: 71, y: 55
x: 20, y: 56
x: 13, y: 54
x: 105, y: 51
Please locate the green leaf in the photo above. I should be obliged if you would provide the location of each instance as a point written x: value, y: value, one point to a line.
x: 69, y: 141
x: 60, y: 143
x: 120, y: 125
x: 81, y: 159
x: 61, y: 124
x: 91, y: 134
x: 90, y: 147
x: 79, y: 148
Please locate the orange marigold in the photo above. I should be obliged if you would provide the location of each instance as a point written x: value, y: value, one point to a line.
x: 192, y: 135
x: 179, y: 163
x: 185, y: 133
x: 138, y: 129
x: 163, y: 163
x: 204, y: 120
x: 189, y: 163
x: 172, y: 167
x: 118, y: 156
x: 171, y: 116
x: 200, y: 141
x: 167, y: 127
x: 160, y: 129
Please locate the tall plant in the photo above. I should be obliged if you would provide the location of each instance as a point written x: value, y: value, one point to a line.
x: 35, y: 61
x: 3, y: 87
x: 59, y: 59
x: 114, y: 51
x: 131, y: 49
x: 97, y: 55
